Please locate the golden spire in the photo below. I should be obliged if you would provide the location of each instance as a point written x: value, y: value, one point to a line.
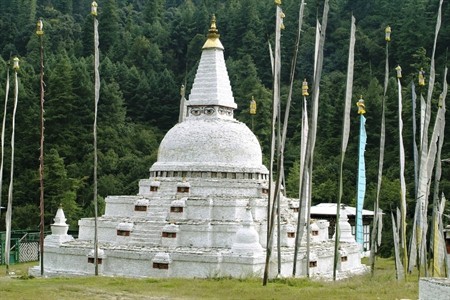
x: 40, y: 27
x: 305, y: 88
x: 213, y: 36
x: 387, y: 33
x: 361, y: 106
x: 253, y: 106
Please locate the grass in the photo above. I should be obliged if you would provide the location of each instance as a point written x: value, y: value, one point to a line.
x: 382, y: 285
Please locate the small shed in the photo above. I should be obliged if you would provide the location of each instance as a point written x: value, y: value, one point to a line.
x: 327, y: 211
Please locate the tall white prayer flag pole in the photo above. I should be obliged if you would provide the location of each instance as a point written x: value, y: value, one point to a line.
x: 402, y: 225
x: 94, y: 7
x: 40, y: 33
x: 11, y: 179
x: 271, y: 205
x: 345, y: 132
x: 361, y: 186
x: 314, y: 120
x: 376, y: 218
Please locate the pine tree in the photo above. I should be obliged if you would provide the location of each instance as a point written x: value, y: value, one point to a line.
x: 109, y: 26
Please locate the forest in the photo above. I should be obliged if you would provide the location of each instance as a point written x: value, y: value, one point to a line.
x: 149, y: 48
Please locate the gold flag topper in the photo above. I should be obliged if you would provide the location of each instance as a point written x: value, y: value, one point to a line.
x: 421, y: 77
x: 39, y: 27
x: 305, y: 88
x: 399, y: 71
x: 387, y: 33
x: 94, y: 7
x: 253, y: 106
x: 361, y: 106
x: 16, y: 66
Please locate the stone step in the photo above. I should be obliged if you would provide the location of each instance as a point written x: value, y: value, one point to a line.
x: 158, y: 213
x: 149, y: 233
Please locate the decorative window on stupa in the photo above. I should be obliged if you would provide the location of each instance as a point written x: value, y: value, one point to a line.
x: 343, y: 258
x: 183, y: 189
x: 265, y: 191
x: 169, y: 235
x: 161, y: 266
x: 121, y: 232
x: 140, y: 205
x: 177, y: 206
x: 124, y: 229
x: 313, y: 264
x: 140, y: 208
x: 91, y: 260
x: 100, y: 256
x: 213, y: 174
x: 294, y: 206
x: 176, y: 209
x: 224, y: 174
x: 291, y: 234
x: 315, y: 232
x: 154, y: 185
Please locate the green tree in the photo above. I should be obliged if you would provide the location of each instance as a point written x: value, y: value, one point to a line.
x: 163, y: 104
x: 60, y: 190
x: 153, y: 10
x: 109, y: 26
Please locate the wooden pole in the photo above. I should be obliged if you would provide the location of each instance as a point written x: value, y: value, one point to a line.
x: 41, y: 160
x: 96, y: 98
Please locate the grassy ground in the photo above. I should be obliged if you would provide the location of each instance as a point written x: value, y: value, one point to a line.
x: 382, y: 286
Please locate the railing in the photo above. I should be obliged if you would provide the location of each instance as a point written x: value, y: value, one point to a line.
x: 24, y: 247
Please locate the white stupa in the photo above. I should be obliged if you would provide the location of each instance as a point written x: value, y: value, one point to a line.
x: 203, y: 210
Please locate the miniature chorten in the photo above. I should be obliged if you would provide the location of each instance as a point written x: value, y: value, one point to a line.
x: 203, y: 210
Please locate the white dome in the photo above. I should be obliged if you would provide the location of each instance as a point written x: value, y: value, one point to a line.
x: 212, y: 144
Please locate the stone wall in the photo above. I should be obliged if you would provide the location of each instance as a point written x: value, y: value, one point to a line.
x: 434, y: 288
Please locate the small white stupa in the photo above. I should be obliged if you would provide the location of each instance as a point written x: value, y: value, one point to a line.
x: 59, y: 230
x: 203, y: 210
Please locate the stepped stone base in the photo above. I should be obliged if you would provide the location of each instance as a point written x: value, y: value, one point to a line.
x: 434, y: 288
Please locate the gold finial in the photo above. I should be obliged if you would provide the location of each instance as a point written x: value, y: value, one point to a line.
x: 305, y: 88
x: 16, y: 66
x: 399, y: 71
x: 182, y: 91
x: 421, y: 77
x: 361, y: 106
x: 278, y: 2
x: 40, y: 27
x: 387, y: 32
x: 213, y: 36
x: 94, y: 7
x: 213, y: 32
x: 253, y: 106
